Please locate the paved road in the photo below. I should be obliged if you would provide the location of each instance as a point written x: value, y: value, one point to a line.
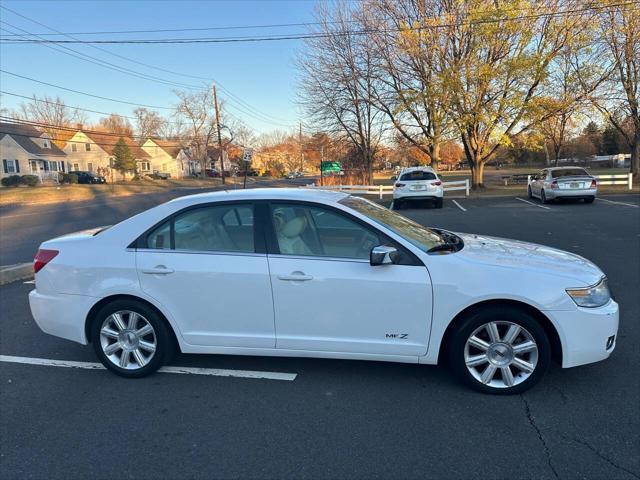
x: 339, y: 419
x: 23, y: 228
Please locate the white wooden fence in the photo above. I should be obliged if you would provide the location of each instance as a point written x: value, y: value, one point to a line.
x: 382, y: 190
x: 618, y: 179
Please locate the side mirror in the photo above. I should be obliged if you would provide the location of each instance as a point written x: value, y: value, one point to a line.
x: 382, y: 255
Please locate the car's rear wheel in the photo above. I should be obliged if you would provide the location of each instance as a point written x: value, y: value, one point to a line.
x: 589, y: 199
x: 543, y: 197
x: 130, y: 338
x: 439, y: 202
x: 500, y: 350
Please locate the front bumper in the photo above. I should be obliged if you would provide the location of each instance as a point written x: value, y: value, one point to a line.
x: 585, y: 333
x: 571, y: 193
x: 61, y: 315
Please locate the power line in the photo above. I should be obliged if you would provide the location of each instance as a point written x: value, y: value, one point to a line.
x: 267, y: 117
x: 304, y: 36
x: 84, y: 93
x: 218, y: 28
x: 96, y: 61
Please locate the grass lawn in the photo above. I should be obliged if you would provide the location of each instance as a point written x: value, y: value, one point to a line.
x: 46, y: 194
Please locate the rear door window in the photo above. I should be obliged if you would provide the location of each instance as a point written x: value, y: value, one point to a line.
x: 222, y: 228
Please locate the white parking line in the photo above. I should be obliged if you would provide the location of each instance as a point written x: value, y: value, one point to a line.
x: 459, y: 206
x: 215, y: 372
x: 531, y: 203
x: 617, y: 203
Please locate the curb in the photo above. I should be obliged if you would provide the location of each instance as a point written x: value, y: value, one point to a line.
x: 13, y: 273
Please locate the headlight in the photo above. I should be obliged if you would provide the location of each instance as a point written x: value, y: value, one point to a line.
x: 591, y: 297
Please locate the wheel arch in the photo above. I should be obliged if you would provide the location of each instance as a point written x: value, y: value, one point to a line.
x: 111, y: 298
x: 545, y: 322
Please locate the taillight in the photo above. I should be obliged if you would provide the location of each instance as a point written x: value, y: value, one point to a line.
x: 554, y: 184
x: 437, y: 183
x: 42, y: 258
x: 399, y: 185
x: 594, y: 184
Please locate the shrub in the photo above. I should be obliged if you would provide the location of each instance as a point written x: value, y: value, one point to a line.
x: 72, y: 178
x: 11, y: 181
x: 29, y: 180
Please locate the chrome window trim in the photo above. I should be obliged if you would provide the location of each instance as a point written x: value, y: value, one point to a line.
x: 316, y: 257
x: 201, y: 252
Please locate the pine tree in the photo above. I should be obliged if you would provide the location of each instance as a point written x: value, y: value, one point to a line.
x: 123, y: 158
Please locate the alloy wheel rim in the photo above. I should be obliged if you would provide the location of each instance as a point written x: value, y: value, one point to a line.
x: 501, y: 354
x: 128, y: 340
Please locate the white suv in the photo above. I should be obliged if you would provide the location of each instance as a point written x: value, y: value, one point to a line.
x: 417, y: 183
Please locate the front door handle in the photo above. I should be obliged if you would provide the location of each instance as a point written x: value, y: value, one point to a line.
x: 157, y: 270
x: 295, y: 277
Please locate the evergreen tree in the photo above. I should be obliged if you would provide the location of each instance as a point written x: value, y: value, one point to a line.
x: 123, y: 158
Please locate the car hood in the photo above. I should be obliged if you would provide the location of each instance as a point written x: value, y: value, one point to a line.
x: 502, y: 252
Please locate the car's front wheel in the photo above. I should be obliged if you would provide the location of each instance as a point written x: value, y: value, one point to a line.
x: 529, y: 192
x: 130, y: 338
x: 499, y: 350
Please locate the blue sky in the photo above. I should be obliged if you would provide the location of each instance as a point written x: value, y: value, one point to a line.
x: 261, y: 74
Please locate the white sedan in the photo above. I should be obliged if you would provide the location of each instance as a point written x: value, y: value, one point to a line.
x: 300, y: 273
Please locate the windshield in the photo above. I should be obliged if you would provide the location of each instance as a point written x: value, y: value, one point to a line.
x: 418, y: 175
x: 569, y: 172
x: 422, y: 237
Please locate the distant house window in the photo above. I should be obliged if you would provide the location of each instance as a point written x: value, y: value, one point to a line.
x: 74, y: 147
x: 54, y: 166
x: 76, y: 167
x: 46, y: 143
x: 87, y: 147
x: 145, y: 166
x: 9, y: 166
x: 90, y: 166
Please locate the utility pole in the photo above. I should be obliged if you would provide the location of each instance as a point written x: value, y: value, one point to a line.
x: 301, y: 154
x: 220, y: 154
x: 321, y: 162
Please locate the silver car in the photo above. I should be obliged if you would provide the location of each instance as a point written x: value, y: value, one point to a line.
x: 563, y: 182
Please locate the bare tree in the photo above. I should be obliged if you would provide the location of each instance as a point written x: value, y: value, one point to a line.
x: 620, y: 26
x: 148, y: 123
x: 53, y: 113
x: 409, y: 89
x: 337, y: 82
x: 115, y: 123
x: 196, y: 109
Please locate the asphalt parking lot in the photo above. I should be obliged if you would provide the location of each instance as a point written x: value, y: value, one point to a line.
x: 338, y: 419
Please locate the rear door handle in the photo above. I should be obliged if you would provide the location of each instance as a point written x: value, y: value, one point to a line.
x: 157, y: 270
x: 295, y: 277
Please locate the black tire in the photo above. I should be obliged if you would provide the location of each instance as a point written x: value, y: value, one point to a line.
x: 543, y: 197
x: 439, y: 202
x: 398, y: 204
x: 163, y: 340
x: 469, y: 325
x: 589, y: 199
x: 529, y: 192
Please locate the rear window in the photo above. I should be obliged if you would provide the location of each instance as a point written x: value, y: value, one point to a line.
x: 418, y: 175
x: 569, y: 172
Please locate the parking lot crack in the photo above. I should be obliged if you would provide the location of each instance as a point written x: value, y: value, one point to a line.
x: 602, y: 456
x: 532, y: 422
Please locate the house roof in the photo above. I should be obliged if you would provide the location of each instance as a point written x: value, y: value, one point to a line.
x: 107, y: 141
x: 23, y: 135
x: 168, y: 146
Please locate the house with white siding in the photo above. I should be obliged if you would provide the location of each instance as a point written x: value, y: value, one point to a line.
x: 167, y: 157
x: 25, y: 150
x: 93, y: 152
